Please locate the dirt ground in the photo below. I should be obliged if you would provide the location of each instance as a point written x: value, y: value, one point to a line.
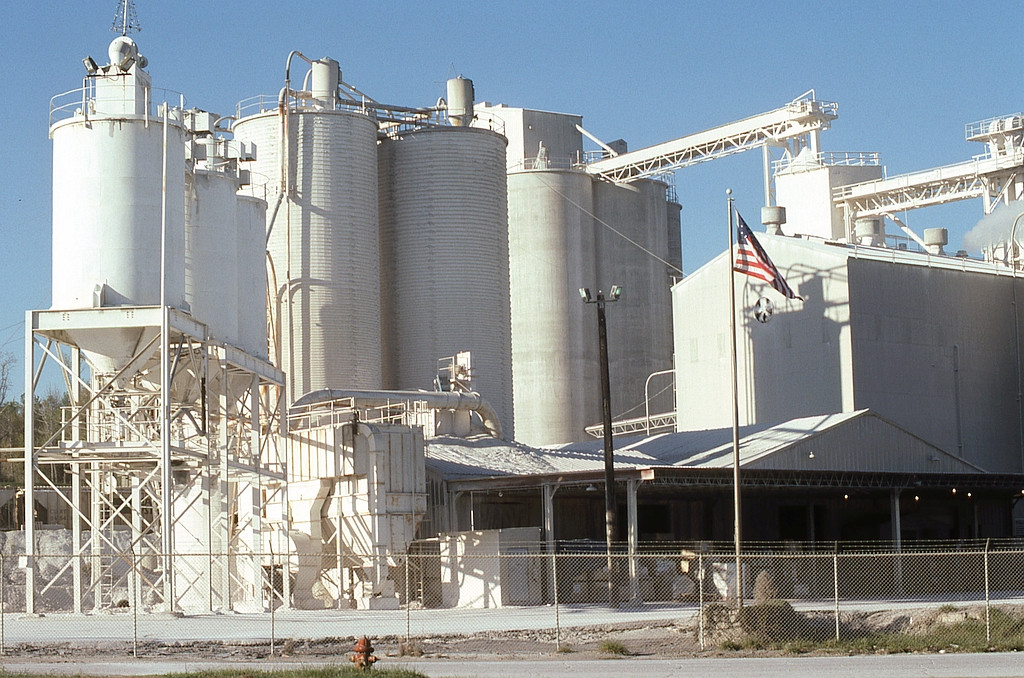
x: 652, y: 639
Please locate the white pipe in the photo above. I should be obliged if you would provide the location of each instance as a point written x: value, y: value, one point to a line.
x: 436, y: 400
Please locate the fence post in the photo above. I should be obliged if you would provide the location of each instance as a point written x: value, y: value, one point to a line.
x: 408, y: 603
x: 554, y: 592
x: 835, y: 583
x: 988, y: 601
x: 700, y: 599
x: 273, y: 614
x: 3, y: 585
x: 135, y: 604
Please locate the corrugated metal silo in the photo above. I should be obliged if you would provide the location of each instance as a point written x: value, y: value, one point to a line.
x: 211, y: 252
x: 554, y: 335
x: 639, y: 212
x: 252, y: 275
x: 444, y: 235
x: 330, y: 336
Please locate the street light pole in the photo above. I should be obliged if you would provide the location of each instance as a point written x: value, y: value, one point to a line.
x: 606, y: 412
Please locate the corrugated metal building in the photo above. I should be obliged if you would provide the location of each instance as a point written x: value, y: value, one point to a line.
x: 925, y: 341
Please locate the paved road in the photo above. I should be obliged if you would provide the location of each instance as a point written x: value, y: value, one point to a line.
x: 994, y: 665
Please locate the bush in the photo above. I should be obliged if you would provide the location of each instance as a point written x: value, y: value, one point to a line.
x: 774, y: 621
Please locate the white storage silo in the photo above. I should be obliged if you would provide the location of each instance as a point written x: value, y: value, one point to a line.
x: 444, y: 240
x: 638, y: 211
x: 323, y: 244
x: 211, y: 252
x: 110, y: 168
x: 554, y: 334
x: 252, y: 275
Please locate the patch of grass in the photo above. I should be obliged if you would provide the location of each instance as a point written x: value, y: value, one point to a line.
x: 565, y: 648
x: 948, y: 608
x: 612, y: 647
x: 773, y: 626
x: 801, y: 646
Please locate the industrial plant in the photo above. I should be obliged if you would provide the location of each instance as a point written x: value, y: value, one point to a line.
x: 306, y: 338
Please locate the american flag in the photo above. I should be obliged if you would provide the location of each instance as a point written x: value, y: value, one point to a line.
x: 753, y: 260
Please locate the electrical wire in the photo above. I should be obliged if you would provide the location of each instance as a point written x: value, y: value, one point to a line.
x: 610, y: 227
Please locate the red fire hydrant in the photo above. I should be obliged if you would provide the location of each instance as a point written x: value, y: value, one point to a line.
x: 362, y: 654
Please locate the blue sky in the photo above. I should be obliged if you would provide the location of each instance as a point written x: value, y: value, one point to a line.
x: 907, y: 77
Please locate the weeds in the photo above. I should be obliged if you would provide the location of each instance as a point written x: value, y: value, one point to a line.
x: 612, y: 647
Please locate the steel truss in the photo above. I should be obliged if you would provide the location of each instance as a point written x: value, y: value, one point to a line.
x: 997, y: 176
x: 178, y: 484
x: 804, y: 117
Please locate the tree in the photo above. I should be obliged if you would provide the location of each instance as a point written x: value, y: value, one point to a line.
x: 6, y: 370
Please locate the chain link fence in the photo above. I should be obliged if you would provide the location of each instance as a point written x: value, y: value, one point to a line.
x: 525, y: 601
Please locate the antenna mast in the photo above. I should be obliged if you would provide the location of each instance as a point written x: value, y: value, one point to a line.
x: 125, y: 18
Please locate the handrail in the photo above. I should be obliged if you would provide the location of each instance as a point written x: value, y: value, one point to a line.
x: 829, y: 159
x: 83, y: 100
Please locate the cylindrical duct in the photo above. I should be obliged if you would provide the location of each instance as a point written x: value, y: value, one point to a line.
x: 460, y: 101
x: 326, y: 74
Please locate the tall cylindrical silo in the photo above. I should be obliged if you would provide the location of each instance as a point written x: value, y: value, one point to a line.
x: 323, y: 244
x: 211, y: 252
x: 110, y: 171
x: 444, y: 239
x: 252, y: 275
x: 639, y: 213
x: 554, y: 334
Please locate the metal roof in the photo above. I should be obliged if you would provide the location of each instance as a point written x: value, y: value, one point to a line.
x: 853, y: 442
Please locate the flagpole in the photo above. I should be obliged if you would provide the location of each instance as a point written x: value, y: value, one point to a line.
x: 735, y: 407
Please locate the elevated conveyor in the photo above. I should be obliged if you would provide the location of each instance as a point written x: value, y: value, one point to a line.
x: 805, y: 116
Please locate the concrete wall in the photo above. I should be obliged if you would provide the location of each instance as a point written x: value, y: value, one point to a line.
x: 526, y: 128
x: 472, y: 577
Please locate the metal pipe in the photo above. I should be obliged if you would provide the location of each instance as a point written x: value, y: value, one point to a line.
x: 647, y: 397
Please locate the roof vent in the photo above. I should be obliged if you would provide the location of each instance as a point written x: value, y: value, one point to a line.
x: 935, y: 239
x: 773, y: 217
x: 869, y: 232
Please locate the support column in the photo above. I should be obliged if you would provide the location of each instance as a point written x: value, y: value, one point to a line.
x: 30, y: 465
x: 166, y: 480
x: 96, y: 490
x: 894, y: 499
x: 897, y: 537
x: 76, y: 482
x: 137, y: 540
x: 225, y: 507
x: 632, y: 537
x: 548, y: 504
